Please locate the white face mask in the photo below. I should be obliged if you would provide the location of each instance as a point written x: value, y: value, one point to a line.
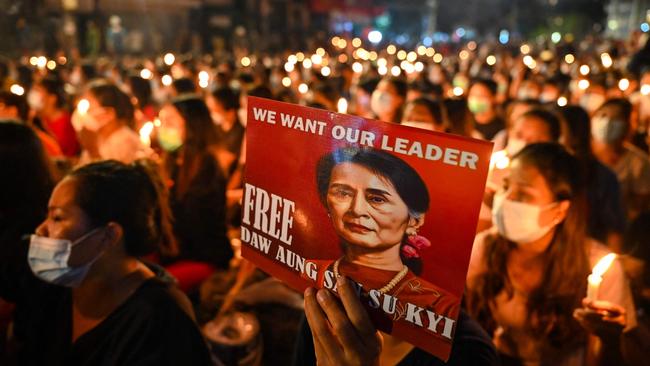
x: 75, y: 78
x: 381, y: 102
x: 48, y: 260
x: 518, y: 221
x: 514, y: 146
x: 35, y: 100
x: 605, y: 129
x: 525, y: 94
x: 547, y: 98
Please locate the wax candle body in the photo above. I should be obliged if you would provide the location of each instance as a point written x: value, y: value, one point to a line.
x: 593, y: 283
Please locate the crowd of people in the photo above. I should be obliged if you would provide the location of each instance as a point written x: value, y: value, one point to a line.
x: 127, y: 173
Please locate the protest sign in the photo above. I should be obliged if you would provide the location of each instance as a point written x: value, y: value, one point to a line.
x: 392, y: 207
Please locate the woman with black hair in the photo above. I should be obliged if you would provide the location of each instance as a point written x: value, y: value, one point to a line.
x: 426, y: 113
x: 387, y: 99
x: 606, y: 214
x: 196, y: 165
x: 224, y: 106
x: 104, y: 124
x: 47, y: 98
x: 82, y: 294
x: 528, y: 274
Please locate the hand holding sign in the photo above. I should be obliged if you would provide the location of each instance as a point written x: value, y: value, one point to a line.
x: 343, y: 335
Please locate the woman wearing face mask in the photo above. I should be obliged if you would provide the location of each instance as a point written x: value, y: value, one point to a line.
x: 593, y: 97
x: 610, y: 126
x: 196, y: 164
x: 481, y: 102
x: 362, y: 95
x: 46, y: 98
x: 83, y: 296
x: 606, y: 219
x: 528, y: 274
x: 425, y: 113
x: 224, y: 105
x: 386, y: 101
x: 102, y: 120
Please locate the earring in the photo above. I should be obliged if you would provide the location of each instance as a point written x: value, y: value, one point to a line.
x: 411, y: 232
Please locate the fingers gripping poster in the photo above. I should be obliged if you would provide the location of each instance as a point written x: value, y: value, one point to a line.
x: 393, y: 208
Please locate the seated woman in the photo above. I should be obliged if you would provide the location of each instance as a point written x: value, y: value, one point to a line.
x: 196, y: 165
x: 25, y: 190
x: 83, y: 296
x: 103, y: 121
x: 528, y: 274
x: 377, y: 204
x: 425, y: 113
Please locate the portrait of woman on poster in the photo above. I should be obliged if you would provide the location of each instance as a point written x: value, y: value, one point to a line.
x: 377, y: 204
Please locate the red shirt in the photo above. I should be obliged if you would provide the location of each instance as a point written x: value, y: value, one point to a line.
x: 50, y: 145
x: 62, y: 130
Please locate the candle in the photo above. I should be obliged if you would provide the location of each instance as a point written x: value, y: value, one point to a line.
x: 499, y: 160
x: 342, y: 105
x: 145, y: 133
x: 596, y: 277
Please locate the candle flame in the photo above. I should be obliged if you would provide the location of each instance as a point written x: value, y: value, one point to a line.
x: 499, y: 160
x: 342, y: 105
x: 145, y: 133
x: 83, y: 106
x: 603, y: 265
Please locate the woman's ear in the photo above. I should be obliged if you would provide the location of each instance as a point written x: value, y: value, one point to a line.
x: 562, y: 210
x: 114, y: 233
x: 415, y: 222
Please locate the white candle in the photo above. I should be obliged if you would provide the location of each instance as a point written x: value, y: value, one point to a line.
x: 145, y: 134
x: 342, y: 105
x: 596, y: 277
x: 593, y: 284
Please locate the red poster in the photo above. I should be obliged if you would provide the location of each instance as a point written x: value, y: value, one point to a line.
x: 392, y: 207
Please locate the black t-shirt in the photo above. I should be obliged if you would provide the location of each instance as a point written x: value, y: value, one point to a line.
x: 152, y: 327
x: 489, y: 130
x: 471, y: 347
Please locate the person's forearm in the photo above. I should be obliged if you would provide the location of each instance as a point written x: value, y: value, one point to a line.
x: 610, y: 352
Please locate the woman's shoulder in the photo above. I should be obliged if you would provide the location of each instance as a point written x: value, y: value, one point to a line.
x: 156, y: 306
x: 476, y: 262
x: 157, y: 324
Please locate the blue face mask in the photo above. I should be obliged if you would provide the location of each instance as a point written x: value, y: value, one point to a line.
x: 48, y: 260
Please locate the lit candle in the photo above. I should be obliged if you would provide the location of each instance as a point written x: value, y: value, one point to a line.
x: 596, y: 277
x: 499, y: 160
x: 83, y: 106
x: 342, y: 105
x: 145, y: 133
